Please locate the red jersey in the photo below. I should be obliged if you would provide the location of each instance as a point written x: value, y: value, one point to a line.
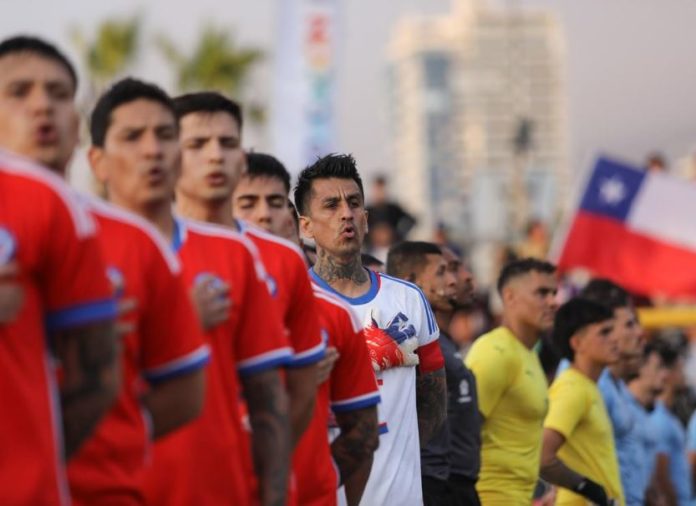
x: 46, y: 230
x: 292, y: 290
x: 202, y: 463
x: 352, y: 385
x: 167, y: 342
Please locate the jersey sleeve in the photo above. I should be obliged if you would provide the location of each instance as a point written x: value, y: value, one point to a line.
x: 429, y: 352
x: 74, y: 285
x: 494, y: 367
x: 172, y: 338
x: 301, y: 319
x: 567, y: 407
x: 353, y: 382
x: 261, y: 343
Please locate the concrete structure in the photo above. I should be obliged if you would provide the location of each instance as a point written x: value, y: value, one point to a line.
x: 478, y: 118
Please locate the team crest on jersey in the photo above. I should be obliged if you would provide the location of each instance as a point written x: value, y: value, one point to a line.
x: 8, y: 246
x: 216, y: 282
x: 118, y: 281
x: 399, y: 328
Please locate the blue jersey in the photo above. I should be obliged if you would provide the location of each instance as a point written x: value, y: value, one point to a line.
x: 618, y: 400
x: 641, y: 450
x: 672, y: 442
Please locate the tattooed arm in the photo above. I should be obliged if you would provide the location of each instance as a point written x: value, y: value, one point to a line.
x: 431, y: 403
x: 268, y: 415
x: 302, y: 389
x: 91, y: 378
x: 352, y: 450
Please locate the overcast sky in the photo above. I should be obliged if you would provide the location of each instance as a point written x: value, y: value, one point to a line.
x: 631, y: 72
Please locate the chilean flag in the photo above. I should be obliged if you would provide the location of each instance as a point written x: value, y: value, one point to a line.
x: 636, y: 228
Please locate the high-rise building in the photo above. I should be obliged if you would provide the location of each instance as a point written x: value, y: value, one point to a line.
x: 478, y: 119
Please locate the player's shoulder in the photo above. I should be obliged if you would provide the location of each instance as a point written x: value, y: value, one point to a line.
x: 213, y: 233
x: 494, y: 343
x: 337, y: 306
x: 48, y: 189
x: 131, y: 227
x: 224, y: 238
x: 278, y: 244
x: 399, y: 287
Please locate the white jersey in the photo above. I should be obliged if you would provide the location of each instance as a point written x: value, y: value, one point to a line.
x: 401, y: 307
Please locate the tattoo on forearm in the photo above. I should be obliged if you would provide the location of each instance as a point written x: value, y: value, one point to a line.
x: 559, y: 474
x: 270, y: 426
x: 330, y: 270
x: 431, y: 403
x: 357, y: 442
x: 88, y: 357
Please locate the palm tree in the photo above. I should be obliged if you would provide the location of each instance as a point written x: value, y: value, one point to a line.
x: 110, y: 53
x: 216, y: 63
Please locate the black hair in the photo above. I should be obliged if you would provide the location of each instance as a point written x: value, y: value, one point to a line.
x: 39, y: 47
x: 521, y: 267
x: 207, y: 102
x: 333, y: 165
x: 264, y: 165
x: 123, y: 92
x: 669, y: 353
x: 370, y: 261
x: 572, y: 317
x: 606, y: 292
x: 407, y: 259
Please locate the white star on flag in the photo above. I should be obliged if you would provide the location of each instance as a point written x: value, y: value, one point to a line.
x: 612, y: 191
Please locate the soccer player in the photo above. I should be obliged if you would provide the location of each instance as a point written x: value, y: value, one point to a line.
x: 511, y: 385
x: 672, y: 468
x: 612, y: 382
x: 450, y: 462
x: 351, y: 389
x: 397, y: 319
x: 578, y: 451
x: 166, y: 350
x: 49, y: 243
x: 135, y: 154
x: 212, y: 164
x: 645, y: 389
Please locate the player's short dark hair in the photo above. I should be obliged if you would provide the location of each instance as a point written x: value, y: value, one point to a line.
x: 39, y: 47
x: 521, y: 267
x: 669, y: 353
x: 264, y: 165
x: 407, y: 259
x: 329, y: 166
x: 207, y: 102
x: 572, y: 317
x: 123, y: 92
x: 370, y: 261
x: 606, y: 292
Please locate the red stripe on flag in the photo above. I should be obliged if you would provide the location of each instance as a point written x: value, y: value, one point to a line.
x: 639, y: 263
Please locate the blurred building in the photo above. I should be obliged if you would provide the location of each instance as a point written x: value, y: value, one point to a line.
x: 478, y: 118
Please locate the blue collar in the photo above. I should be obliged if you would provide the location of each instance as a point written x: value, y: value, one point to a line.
x: 357, y: 301
x: 178, y: 235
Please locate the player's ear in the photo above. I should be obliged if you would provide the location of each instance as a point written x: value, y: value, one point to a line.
x: 306, y: 229
x: 97, y: 163
x: 508, y: 294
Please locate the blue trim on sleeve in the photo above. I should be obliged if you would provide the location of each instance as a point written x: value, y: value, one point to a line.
x: 355, y: 301
x: 186, y: 368
x: 81, y: 315
x: 306, y: 360
x: 363, y: 403
x: 265, y: 365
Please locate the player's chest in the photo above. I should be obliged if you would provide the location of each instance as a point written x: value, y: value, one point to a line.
x: 529, y: 396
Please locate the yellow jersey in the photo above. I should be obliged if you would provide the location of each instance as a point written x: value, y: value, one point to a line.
x: 512, y: 396
x: 577, y: 411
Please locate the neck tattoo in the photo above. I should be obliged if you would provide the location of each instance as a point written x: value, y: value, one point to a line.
x: 330, y: 270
